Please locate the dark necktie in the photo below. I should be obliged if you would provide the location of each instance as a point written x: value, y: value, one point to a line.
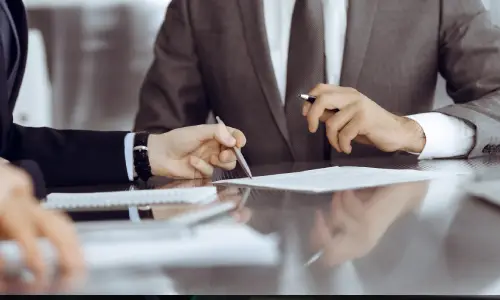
x: 306, y: 68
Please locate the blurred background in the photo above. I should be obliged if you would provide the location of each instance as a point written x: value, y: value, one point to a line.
x: 87, y: 60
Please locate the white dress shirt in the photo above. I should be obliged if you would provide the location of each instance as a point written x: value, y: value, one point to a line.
x: 446, y: 136
x: 129, y: 155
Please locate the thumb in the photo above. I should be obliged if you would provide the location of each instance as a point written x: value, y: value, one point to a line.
x: 218, y: 132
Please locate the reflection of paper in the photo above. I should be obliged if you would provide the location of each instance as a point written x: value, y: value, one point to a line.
x: 336, y: 178
x: 198, y: 195
x: 488, y: 190
x: 157, y: 245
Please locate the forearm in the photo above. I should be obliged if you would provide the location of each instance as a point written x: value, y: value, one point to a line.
x: 70, y: 157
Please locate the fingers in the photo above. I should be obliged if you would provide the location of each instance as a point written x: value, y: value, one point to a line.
x: 227, y: 156
x: 60, y: 232
x: 225, y: 135
x: 202, y: 167
x: 322, y: 89
x: 20, y: 228
x: 348, y: 134
x: 241, y: 140
x: 325, y: 116
x: 336, y: 123
x: 326, y: 103
x: 216, y: 161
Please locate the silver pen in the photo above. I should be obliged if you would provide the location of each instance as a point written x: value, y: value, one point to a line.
x: 239, y: 156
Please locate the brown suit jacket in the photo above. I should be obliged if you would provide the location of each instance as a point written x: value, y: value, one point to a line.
x: 212, y: 55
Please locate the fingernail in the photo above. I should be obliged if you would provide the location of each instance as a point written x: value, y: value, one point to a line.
x: 230, y: 140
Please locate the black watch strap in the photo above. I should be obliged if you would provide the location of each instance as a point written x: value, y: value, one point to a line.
x: 141, y: 156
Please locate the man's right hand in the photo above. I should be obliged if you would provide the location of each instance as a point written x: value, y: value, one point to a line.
x: 23, y: 220
x: 193, y: 152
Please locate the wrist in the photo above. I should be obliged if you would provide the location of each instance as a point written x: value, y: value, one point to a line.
x: 142, y: 168
x: 413, y: 136
x: 155, y: 160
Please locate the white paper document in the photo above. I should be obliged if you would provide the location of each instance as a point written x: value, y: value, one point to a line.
x: 488, y: 190
x: 336, y: 178
x: 156, y: 245
x: 197, y: 195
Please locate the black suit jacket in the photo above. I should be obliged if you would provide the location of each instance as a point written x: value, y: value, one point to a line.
x: 65, y: 157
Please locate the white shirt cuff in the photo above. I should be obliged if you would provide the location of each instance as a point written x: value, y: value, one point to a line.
x: 446, y: 136
x: 129, y: 156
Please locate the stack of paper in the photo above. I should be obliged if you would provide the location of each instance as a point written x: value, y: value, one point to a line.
x: 336, y: 178
x: 198, y: 195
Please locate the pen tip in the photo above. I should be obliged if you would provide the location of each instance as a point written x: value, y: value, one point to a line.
x: 304, y: 96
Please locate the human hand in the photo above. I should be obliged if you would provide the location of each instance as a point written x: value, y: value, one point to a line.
x: 193, y: 152
x: 362, y: 120
x: 23, y: 220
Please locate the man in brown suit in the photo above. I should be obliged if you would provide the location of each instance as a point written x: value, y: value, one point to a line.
x: 247, y: 60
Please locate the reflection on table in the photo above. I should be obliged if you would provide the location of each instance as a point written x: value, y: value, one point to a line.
x: 412, y: 238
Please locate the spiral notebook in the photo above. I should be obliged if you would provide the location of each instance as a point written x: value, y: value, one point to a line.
x: 197, y: 195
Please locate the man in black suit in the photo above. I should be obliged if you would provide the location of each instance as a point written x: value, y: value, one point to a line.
x: 69, y: 157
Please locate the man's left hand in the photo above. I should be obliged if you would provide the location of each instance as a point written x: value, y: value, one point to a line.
x: 362, y: 120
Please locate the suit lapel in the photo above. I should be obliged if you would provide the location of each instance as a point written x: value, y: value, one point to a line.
x: 360, y: 17
x: 5, y: 110
x: 19, y: 16
x: 252, y: 15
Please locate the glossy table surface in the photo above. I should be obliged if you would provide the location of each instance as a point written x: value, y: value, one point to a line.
x: 413, y: 238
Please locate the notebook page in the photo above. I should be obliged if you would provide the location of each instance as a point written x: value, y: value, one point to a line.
x: 336, y: 178
x: 197, y: 195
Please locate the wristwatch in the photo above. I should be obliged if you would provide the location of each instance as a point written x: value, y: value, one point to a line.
x: 141, y: 157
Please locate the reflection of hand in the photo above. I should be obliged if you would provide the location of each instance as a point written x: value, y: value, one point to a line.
x: 358, y: 219
x: 23, y: 220
x: 193, y: 152
x: 241, y: 214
